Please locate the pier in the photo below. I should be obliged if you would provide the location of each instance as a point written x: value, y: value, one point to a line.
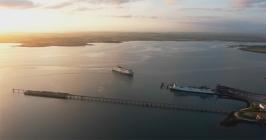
x: 227, y: 92
x: 139, y: 103
x: 237, y: 94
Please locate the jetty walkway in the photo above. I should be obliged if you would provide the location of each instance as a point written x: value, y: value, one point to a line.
x: 139, y: 103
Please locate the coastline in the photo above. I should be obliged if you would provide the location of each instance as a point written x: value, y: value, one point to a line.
x: 254, y: 49
x: 251, y: 48
x: 82, y: 39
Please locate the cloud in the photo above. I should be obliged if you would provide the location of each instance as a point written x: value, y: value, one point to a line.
x: 120, y: 16
x: 60, y: 5
x: 111, y: 1
x: 82, y: 9
x: 68, y: 3
x: 114, y: 1
x: 23, y: 4
x: 225, y: 25
x: 203, y: 9
x: 263, y: 5
x: 248, y: 3
x: 131, y: 16
x: 170, y: 2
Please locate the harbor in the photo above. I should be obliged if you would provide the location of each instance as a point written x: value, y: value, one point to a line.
x: 255, y: 111
x: 93, y: 76
x: 255, y: 102
x: 221, y: 91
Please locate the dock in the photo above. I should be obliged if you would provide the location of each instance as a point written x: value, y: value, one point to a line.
x: 237, y: 94
x: 227, y: 92
x: 138, y: 103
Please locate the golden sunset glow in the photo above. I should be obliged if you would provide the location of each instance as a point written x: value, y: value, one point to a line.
x: 130, y: 15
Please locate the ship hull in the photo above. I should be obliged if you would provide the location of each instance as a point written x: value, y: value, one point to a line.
x: 194, y: 90
x: 123, y: 73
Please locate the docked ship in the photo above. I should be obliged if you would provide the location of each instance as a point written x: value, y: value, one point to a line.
x: 123, y: 70
x: 203, y: 89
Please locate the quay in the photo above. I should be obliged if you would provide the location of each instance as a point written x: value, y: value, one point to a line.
x: 139, y: 103
x: 224, y: 92
x: 237, y: 94
x: 255, y: 111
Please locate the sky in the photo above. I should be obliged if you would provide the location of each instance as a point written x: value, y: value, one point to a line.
x: 243, y: 16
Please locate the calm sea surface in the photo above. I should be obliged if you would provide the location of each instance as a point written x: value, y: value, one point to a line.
x: 87, y: 71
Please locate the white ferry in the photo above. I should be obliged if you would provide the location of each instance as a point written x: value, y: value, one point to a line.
x: 204, y: 90
x: 123, y: 70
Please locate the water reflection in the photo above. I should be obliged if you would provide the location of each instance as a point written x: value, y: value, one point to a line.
x: 232, y: 121
x: 87, y: 71
x: 122, y: 77
x: 201, y: 96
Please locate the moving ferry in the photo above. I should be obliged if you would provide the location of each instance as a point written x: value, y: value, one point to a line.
x: 123, y: 70
x: 204, y: 90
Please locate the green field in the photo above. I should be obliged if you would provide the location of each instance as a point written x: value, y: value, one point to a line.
x: 256, y: 49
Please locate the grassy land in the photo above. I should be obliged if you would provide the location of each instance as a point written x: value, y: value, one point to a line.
x: 256, y: 49
x: 251, y: 48
x: 251, y: 113
x: 81, y: 39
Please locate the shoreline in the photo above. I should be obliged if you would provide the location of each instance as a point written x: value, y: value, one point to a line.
x: 249, y: 114
x: 254, y: 50
x: 82, y: 39
x: 251, y: 48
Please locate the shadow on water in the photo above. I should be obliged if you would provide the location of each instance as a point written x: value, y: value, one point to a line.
x: 127, y: 78
x: 201, y: 96
x: 232, y: 121
x: 234, y: 99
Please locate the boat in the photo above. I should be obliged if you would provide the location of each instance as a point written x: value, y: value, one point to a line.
x: 123, y: 70
x: 203, y: 89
